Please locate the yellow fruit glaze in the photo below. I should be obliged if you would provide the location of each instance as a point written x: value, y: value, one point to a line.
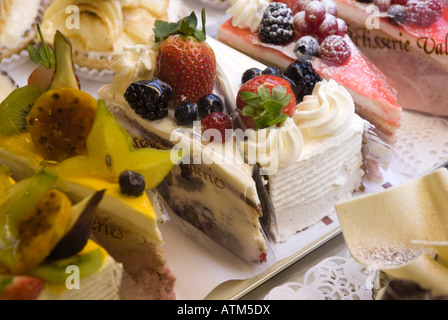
x: 21, y: 145
x: 135, y: 211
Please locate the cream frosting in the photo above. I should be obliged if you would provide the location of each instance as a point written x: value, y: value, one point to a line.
x: 328, y: 111
x: 247, y: 13
x: 273, y: 148
x: 133, y: 64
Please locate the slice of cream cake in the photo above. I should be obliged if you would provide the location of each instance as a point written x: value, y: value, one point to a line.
x: 407, y: 40
x: 46, y: 253
x: 223, y: 194
x: 126, y: 224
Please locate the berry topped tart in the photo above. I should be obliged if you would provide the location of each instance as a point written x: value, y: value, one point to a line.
x: 53, y: 124
x: 270, y: 149
x: 100, y: 28
x: 46, y: 251
x: 407, y: 40
x: 278, y: 33
x: 18, y: 24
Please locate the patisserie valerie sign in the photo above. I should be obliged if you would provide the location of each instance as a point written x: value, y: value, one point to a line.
x: 365, y: 37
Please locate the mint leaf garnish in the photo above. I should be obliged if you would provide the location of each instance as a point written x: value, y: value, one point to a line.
x: 186, y: 26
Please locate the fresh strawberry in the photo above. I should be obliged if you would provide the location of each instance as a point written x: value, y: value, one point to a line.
x: 265, y: 100
x: 185, y: 60
x: 20, y: 288
x: 46, y: 61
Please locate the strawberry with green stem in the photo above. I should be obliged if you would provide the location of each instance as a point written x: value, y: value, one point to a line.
x: 185, y: 60
x: 265, y: 101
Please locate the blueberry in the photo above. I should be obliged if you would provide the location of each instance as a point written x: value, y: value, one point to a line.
x: 271, y: 71
x: 307, y: 47
x: 186, y: 113
x: 250, y: 74
x: 132, y: 183
x: 208, y: 104
x: 397, y: 14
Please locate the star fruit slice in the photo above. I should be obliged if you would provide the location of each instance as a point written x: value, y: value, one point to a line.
x: 110, y: 151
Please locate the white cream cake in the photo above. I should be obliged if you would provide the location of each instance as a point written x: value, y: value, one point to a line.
x: 230, y: 202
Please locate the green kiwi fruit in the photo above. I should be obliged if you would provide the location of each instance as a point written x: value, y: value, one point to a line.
x: 88, y: 262
x: 15, y: 108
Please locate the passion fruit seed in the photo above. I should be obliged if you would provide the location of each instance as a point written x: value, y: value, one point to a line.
x: 132, y: 183
x: 60, y: 122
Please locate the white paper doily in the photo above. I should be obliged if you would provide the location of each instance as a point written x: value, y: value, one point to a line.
x: 335, y: 278
x: 422, y: 144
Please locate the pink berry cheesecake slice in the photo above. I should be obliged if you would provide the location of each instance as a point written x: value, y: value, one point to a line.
x: 278, y: 33
x: 408, y: 42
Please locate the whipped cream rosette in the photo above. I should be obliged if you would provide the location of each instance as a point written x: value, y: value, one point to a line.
x: 273, y: 148
x: 402, y: 230
x: 328, y: 111
x: 247, y: 13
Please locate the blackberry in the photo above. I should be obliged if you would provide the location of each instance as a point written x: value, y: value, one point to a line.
x: 149, y: 99
x: 131, y: 183
x: 208, y: 104
x: 302, y: 74
x: 277, y: 24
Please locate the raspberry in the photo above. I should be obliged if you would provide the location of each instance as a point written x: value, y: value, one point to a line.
x: 218, y: 121
x: 423, y: 13
x: 334, y: 49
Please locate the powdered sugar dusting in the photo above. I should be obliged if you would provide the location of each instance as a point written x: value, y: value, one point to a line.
x: 390, y: 257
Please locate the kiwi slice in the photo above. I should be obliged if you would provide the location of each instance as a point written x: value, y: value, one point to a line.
x: 16, y: 107
x: 88, y: 262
